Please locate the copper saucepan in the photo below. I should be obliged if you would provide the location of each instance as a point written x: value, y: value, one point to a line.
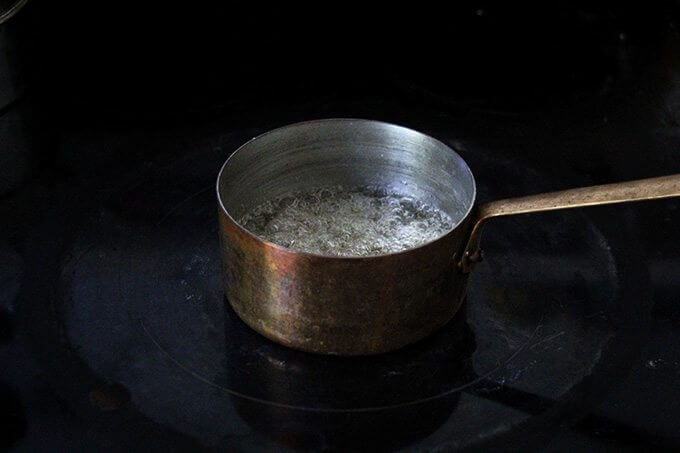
x: 366, y: 305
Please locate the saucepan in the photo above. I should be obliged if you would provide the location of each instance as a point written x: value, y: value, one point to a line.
x: 360, y: 305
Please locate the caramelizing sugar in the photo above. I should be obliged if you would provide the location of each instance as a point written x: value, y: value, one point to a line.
x: 347, y: 222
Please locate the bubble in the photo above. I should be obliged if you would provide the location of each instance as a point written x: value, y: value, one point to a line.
x: 347, y: 222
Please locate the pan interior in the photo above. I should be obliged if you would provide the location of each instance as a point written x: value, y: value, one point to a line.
x: 350, y: 154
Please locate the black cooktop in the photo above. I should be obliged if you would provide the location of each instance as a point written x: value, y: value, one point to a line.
x: 115, y: 334
x: 133, y: 316
x: 125, y: 313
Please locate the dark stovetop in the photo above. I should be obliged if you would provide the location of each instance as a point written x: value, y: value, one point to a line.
x: 121, y: 330
x: 115, y: 335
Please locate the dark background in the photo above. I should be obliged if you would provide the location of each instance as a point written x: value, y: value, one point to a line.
x: 146, y: 62
x: 578, y: 67
x: 589, y: 92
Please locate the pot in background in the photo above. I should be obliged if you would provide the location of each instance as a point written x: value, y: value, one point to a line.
x: 15, y: 139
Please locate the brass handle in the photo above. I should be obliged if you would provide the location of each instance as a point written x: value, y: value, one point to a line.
x: 642, y: 189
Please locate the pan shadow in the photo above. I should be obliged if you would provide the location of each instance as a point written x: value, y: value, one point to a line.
x: 380, y: 402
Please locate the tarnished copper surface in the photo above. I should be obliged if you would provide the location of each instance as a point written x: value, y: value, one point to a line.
x: 335, y: 305
x: 639, y: 190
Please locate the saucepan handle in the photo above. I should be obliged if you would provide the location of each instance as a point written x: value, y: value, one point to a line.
x: 642, y: 189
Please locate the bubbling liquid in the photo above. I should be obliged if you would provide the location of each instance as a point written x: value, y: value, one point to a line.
x: 347, y: 222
